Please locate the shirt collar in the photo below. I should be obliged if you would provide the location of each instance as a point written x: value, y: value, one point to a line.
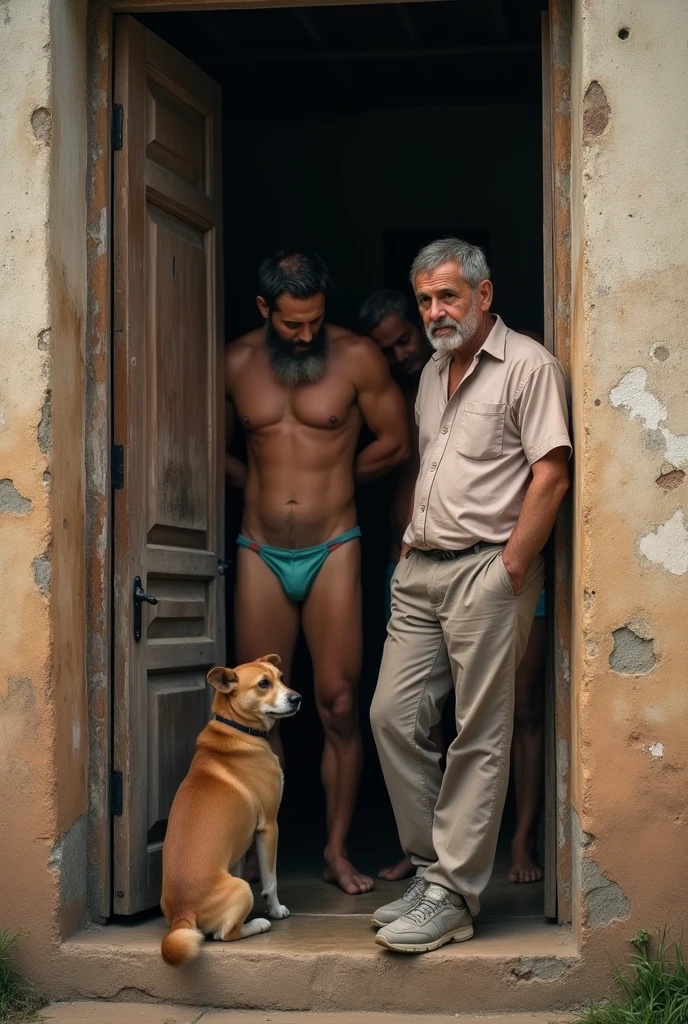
x: 494, y: 344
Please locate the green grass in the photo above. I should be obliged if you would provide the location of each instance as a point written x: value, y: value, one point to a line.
x: 19, y: 1002
x: 653, y: 989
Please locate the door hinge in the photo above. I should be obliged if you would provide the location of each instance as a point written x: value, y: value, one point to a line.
x: 118, y: 467
x: 117, y: 126
x: 117, y: 794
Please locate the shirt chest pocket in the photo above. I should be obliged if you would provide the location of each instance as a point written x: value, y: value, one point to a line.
x: 481, y: 431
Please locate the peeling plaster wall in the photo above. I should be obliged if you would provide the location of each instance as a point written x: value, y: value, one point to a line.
x: 630, y: 367
x: 43, y: 724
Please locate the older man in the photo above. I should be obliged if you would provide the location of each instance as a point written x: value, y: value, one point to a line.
x: 493, y: 427
x: 386, y: 317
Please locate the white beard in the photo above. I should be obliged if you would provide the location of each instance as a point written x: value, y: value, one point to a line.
x: 462, y: 330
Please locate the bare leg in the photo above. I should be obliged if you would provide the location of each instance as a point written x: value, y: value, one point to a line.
x: 332, y: 626
x: 528, y: 755
x: 266, y: 622
x: 405, y: 867
x: 266, y: 844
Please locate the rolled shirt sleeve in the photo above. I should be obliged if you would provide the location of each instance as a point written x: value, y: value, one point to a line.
x: 541, y: 412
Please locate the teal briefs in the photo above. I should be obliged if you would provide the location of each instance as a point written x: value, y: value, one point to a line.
x: 296, y: 568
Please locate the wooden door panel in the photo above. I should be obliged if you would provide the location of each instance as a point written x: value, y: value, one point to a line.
x: 176, y: 135
x: 178, y: 360
x: 169, y: 416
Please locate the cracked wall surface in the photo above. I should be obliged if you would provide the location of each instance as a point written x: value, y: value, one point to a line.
x: 42, y: 301
x: 630, y: 367
x: 629, y: 362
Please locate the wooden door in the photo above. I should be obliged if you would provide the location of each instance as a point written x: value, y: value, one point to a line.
x: 169, y: 419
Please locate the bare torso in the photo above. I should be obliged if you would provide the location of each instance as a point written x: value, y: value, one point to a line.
x: 301, y: 444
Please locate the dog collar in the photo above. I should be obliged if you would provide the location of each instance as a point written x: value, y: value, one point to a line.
x: 242, y: 728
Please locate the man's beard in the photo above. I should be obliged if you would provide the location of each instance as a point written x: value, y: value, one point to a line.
x: 462, y: 330
x: 292, y: 368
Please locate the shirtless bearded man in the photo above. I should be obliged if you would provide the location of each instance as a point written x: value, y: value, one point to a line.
x: 302, y: 389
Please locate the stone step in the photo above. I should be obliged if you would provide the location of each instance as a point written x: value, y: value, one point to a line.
x: 331, y: 963
x: 156, y: 1013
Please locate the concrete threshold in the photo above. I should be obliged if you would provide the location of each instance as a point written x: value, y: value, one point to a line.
x: 328, y: 964
x: 145, y: 1013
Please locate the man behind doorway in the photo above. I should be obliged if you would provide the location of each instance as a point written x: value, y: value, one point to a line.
x: 493, y: 426
x: 302, y: 389
x: 386, y: 317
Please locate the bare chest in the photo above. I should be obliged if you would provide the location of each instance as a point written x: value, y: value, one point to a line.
x: 262, y: 403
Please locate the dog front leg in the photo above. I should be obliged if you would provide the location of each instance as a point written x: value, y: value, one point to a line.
x: 266, y: 844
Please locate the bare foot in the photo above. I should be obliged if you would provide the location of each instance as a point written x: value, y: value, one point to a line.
x: 402, y: 869
x: 524, y: 869
x: 341, y: 872
x: 251, y: 866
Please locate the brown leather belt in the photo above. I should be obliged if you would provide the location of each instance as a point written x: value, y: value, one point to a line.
x: 441, y: 555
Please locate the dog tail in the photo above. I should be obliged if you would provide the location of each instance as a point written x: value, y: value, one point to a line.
x: 183, y: 941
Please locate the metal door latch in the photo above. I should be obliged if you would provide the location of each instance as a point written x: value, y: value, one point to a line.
x: 139, y: 597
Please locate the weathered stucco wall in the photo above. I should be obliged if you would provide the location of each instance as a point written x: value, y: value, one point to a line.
x: 629, y: 361
x: 630, y: 373
x: 43, y: 722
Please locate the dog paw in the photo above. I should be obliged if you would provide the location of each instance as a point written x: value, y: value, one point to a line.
x: 261, y: 924
x: 278, y: 912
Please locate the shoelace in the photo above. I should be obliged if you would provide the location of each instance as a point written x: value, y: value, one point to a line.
x: 427, y: 907
x: 417, y: 884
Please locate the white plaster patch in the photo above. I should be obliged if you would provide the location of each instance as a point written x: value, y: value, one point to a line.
x: 668, y: 545
x: 676, y: 447
x: 656, y: 751
x: 631, y: 393
x: 76, y: 736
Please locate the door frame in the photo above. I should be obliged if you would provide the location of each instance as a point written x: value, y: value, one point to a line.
x: 99, y: 507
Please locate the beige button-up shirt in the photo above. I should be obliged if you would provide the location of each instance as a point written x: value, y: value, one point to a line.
x: 477, y: 447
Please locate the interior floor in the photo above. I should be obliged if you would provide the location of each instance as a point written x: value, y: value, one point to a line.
x: 364, y: 132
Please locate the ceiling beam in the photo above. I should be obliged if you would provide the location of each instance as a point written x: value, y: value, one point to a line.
x: 284, y: 57
x: 404, y: 15
x: 306, y: 21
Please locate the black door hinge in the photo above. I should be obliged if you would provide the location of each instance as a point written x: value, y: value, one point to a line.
x: 118, y: 466
x: 117, y: 794
x: 117, y: 126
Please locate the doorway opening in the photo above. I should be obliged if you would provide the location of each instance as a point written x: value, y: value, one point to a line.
x: 363, y: 132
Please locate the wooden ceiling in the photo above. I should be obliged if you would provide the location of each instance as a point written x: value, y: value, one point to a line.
x: 298, y: 60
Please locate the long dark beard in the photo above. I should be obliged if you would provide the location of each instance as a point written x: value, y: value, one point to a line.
x: 293, y: 368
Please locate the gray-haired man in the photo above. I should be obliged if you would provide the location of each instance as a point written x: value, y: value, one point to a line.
x: 493, y: 428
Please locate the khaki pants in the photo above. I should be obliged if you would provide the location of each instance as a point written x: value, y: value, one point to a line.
x: 454, y: 623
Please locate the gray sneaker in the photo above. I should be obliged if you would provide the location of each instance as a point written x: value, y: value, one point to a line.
x: 435, y: 919
x: 392, y: 911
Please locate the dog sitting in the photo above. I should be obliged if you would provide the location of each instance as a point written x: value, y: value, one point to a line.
x: 231, y: 794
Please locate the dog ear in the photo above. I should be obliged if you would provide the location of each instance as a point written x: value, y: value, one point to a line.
x: 223, y: 679
x: 272, y: 659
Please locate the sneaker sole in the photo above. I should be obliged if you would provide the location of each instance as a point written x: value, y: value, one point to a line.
x: 458, y: 935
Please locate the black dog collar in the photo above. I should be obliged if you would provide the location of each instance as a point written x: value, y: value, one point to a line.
x: 242, y: 728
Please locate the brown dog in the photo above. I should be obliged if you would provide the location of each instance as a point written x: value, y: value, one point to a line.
x: 231, y: 794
